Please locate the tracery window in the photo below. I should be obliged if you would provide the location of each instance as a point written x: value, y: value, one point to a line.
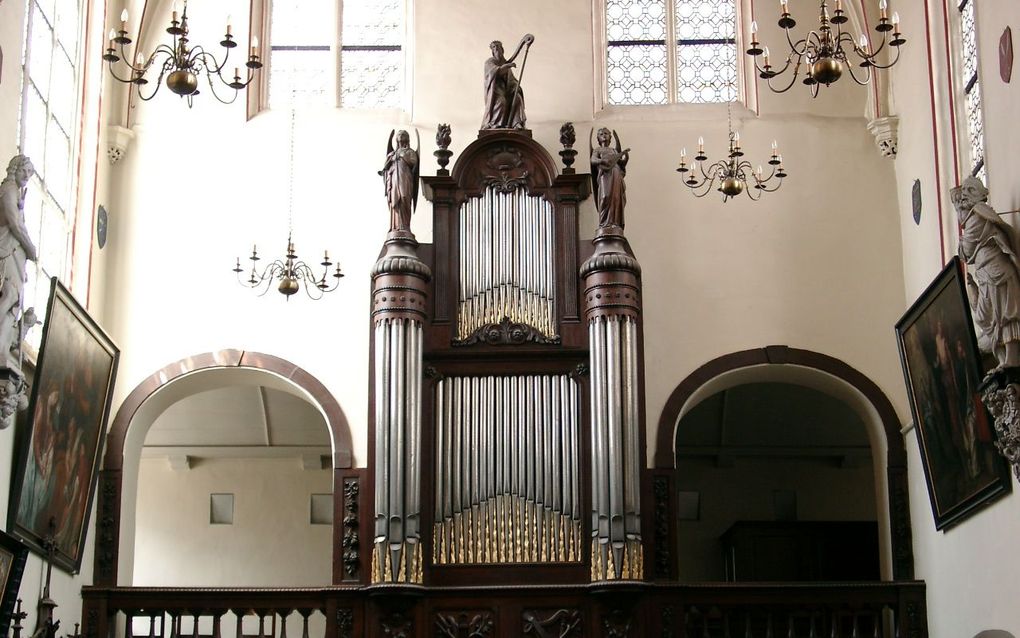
x: 971, y: 87
x: 359, y: 64
x: 670, y: 51
x: 49, y: 128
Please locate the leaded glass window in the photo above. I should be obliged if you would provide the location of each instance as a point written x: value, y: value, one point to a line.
x: 315, y: 63
x: 51, y: 99
x: 698, y: 65
x: 972, y: 90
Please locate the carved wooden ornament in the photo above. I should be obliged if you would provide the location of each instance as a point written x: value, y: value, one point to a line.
x: 1006, y: 55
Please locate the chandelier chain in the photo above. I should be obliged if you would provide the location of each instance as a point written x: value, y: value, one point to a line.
x: 290, y: 179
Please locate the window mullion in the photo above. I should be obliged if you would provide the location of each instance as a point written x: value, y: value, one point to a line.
x: 671, y: 52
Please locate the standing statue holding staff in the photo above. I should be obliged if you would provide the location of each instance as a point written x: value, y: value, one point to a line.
x: 400, y: 177
x: 608, y: 169
x: 987, y: 245
x: 504, y: 101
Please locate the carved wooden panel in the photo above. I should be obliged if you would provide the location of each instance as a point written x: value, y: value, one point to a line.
x: 552, y: 623
x: 107, y: 527
x: 351, y: 543
x: 618, y: 623
x: 345, y: 622
x: 465, y: 624
x: 397, y: 624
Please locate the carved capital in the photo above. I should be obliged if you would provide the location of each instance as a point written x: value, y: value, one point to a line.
x: 886, y: 132
x: 118, y: 139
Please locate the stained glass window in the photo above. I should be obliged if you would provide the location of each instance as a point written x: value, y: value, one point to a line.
x: 972, y: 90
x: 701, y: 51
x: 51, y: 98
x: 307, y: 69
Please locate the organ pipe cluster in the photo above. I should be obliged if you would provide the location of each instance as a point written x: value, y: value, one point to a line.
x: 399, y: 301
x: 506, y: 263
x: 613, y: 312
x: 508, y: 477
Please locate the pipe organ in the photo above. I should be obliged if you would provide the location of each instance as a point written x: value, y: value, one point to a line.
x: 507, y: 411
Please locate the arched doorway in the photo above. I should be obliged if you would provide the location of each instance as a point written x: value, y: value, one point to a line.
x: 782, y: 364
x: 119, y: 478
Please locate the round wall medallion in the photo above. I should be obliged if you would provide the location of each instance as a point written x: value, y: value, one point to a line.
x: 915, y: 201
x: 102, y: 222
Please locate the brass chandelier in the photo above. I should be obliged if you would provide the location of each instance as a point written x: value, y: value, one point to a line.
x: 181, y: 64
x: 823, y: 54
x: 290, y: 271
x: 732, y: 175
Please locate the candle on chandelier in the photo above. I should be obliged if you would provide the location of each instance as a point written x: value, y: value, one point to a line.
x: 173, y: 11
x: 864, y: 43
x: 896, y: 21
x: 112, y: 35
x: 255, y: 46
x: 766, y: 54
x: 123, y: 20
x: 701, y: 146
x: 754, y: 28
x: 775, y: 148
x: 839, y: 5
x: 784, y: 7
x: 683, y: 156
x: 230, y: 25
x: 759, y: 173
x: 237, y: 74
x: 883, y: 7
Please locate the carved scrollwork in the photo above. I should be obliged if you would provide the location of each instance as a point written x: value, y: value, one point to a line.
x: 561, y: 623
x: 508, y: 172
x: 617, y: 623
x: 1003, y: 401
x: 345, y: 623
x: 351, y: 543
x: 397, y: 625
x: 468, y: 624
x: 506, y: 333
x: 660, y: 493
x: 107, y: 525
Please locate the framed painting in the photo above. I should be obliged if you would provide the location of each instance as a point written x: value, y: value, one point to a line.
x: 942, y: 368
x: 13, y: 554
x: 58, y: 454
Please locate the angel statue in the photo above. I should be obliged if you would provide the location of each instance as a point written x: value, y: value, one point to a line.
x: 608, y: 169
x: 400, y: 177
x: 987, y: 245
x: 504, y: 101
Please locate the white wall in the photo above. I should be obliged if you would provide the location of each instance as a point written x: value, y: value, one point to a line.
x: 968, y: 568
x: 270, y: 543
x: 744, y: 492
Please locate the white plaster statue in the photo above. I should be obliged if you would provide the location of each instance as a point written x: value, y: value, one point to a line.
x: 988, y: 246
x: 15, y: 249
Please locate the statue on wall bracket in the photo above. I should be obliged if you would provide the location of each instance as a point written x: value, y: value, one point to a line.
x: 504, y: 100
x: 400, y: 177
x: 988, y: 246
x: 608, y: 170
x: 16, y: 249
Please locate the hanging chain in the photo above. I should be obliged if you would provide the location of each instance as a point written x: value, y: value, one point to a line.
x: 290, y: 181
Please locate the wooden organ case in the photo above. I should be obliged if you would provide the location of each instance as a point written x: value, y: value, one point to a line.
x: 507, y: 434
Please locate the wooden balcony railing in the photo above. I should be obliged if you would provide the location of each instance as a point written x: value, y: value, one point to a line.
x: 723, y: 610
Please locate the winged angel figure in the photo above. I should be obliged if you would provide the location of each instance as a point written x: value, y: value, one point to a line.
x: 400, y: 177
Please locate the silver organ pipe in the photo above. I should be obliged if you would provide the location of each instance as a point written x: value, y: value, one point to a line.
x: 506, y: 268
x: 616, y: 454
x: 507, y: 470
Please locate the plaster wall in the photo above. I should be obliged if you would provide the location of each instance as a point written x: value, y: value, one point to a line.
x: 744, y: 492
x: 968, y: 578
x: 175, y: 542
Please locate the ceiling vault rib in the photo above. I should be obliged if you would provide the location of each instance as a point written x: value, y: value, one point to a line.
x: 265, y: 416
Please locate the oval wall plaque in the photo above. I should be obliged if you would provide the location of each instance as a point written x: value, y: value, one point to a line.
x: 915, y: 201
x: 102, y: 224
x: 1006, y: 55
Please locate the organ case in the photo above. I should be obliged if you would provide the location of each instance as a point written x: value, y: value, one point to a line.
x: 496, y: 434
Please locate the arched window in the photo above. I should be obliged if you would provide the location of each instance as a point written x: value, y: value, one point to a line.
x: 670, y: 51
x: 969, y: 87
x: 346, y: 52
x: 48, y: 135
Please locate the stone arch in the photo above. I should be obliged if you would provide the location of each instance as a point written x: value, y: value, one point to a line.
x: 150, y: 398
x: 836, y: 378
